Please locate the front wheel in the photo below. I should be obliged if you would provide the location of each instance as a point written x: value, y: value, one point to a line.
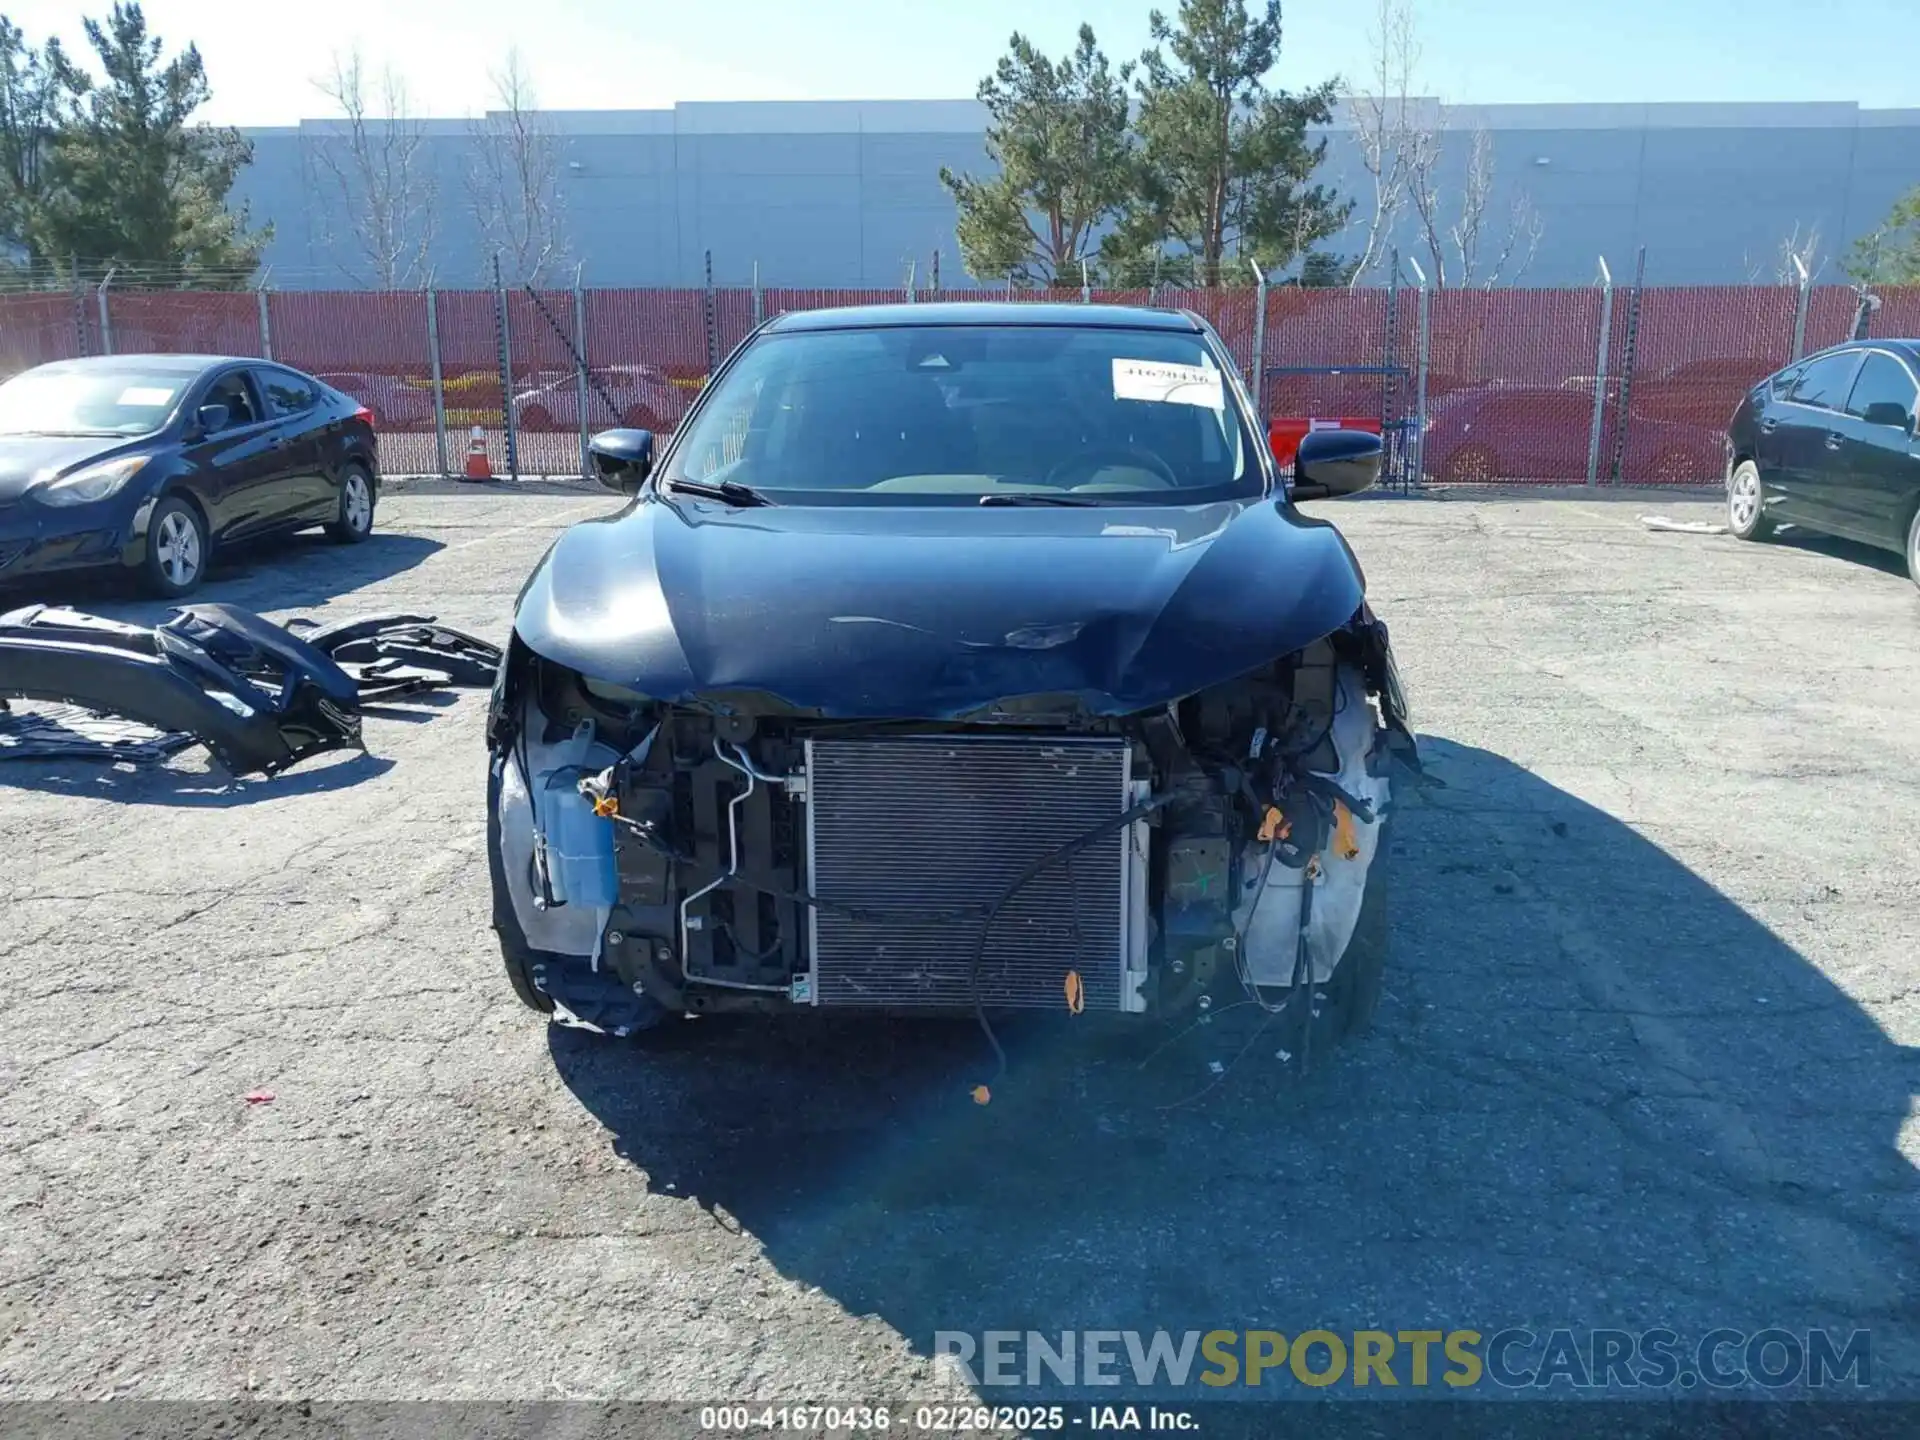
x: 355, y: 520
x: 1746, y: 510
x: 1913, y: 549
x: 176, y: 549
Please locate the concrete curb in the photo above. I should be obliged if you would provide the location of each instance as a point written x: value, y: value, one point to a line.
x: 446, y: 485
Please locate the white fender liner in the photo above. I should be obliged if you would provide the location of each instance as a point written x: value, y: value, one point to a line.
x: 1267, y: 914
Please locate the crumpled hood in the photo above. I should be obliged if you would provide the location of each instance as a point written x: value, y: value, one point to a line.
x: 936, y: 611
x: 23, y: 458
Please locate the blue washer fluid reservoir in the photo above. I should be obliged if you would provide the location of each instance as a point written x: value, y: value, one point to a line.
x: 580, y: 862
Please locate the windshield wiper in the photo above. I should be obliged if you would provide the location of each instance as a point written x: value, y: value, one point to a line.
x: 1031, y: 499
x: 731, y: 491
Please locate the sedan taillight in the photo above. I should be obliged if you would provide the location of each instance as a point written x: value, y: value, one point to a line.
x: 363, y: 413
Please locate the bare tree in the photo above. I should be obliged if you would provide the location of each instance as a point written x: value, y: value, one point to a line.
x: 375, y: 159
x: 1402, y: 142
x: 1518, y: 242
x: 1803, y: 248
x: 1381, y: 117
x: 513, y: 183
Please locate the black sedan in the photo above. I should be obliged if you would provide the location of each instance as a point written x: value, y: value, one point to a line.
x: 1829, y: 445
x: 147, y: 462
x: 952, y: 658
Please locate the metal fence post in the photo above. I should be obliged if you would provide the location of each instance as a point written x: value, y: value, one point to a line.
x: 106, y: 320
x: 1800, y: 311
x: 82, y: 331
x: 713, y: 331
x: 1626, y: 365
x: 266, y: 323
x: 439, y: 386
x: 1600, y: 373
x: 503, y: 333
x: 1865, y: 303
x: 580, y: 370
x: 912, y: 268
x: 934, y: 278
x: 1424, y: 351
x: 1390, y: 344
x: 1259, y: 376
x: 759, y: 299
x: 1086, y: 285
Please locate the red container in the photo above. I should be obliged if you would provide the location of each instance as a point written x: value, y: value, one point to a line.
x: 1284, y: 434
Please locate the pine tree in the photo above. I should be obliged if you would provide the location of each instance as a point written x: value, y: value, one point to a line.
x: 1226, y: 165
x: 133, y: 182
x: 1059, y: 134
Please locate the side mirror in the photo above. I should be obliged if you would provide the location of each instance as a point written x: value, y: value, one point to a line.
x: 1336, y: 462
x: 213, y: 418
x: 1889, y: 412
x: 622, y: 459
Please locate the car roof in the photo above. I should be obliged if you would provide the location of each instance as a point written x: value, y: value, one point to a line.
x: 173, y: 364
x: 986, y: 313
x: 1909, y: 348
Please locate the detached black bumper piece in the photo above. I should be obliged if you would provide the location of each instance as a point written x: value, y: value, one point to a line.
x: 255, y: 695
x: 258, y: 695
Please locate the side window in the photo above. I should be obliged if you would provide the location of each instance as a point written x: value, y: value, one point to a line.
x: 1825, y: 381
x: 236, y: 393
x: 1784, y: 382
x: 1883, y: 381
x: 286, y: 393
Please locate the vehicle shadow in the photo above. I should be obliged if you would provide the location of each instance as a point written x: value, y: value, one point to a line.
x: 186, y: 782
x: 1887, y: 562
x: 1598, y: 1093
x: 291, y: 573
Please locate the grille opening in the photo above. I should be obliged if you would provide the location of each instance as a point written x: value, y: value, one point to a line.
x: 941, y: 821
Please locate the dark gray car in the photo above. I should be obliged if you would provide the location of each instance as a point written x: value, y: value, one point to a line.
x: 1829, y: 444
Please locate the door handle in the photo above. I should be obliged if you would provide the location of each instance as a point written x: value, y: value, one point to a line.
x: 1770, y: 424
x: 1833, y: 439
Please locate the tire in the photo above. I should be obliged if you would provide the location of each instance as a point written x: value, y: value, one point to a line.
x: 1746, y: 504
x: 1913, y: 549
x: 177, y: 549
x: 1354, y: 991
x: 1470, y: 464
x: 355, y: 520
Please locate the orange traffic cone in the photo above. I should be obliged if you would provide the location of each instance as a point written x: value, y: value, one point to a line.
x: 478, y: 467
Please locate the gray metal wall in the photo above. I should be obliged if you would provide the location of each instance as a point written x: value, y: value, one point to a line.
x: 847, y: 193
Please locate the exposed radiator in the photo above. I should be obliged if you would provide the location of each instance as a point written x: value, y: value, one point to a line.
x: 943, y: 821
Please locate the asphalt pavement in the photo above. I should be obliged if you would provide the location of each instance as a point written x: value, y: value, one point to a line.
x: 1646, y: 1057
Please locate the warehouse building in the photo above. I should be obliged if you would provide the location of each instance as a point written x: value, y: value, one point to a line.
x: 837, y: 194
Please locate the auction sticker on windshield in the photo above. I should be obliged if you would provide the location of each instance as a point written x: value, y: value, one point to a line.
x: 1168, y: 383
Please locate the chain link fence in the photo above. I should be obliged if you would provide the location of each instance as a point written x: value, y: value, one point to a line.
x: 1602, y: 384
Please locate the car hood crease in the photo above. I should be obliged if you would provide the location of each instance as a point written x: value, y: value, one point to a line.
x: 935, y: 611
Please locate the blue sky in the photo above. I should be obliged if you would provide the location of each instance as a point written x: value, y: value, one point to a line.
x: 613, y: 54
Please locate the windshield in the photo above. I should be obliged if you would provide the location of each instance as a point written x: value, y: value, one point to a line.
x: 119, y: 401
x: 952, y: 414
